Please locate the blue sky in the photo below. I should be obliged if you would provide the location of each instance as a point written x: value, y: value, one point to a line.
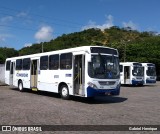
x: 24, y: 22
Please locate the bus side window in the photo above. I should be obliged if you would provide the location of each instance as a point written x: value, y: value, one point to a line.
x: 44, y: 63
x: 54, y: 62
x: 26, y: 64
x: 121, y: 68
x: 8, y: 65
x: 19, y: 64
x: 66, y: 61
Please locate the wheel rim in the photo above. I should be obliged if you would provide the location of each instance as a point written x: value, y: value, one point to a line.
x: 20, y: 86
x: 64, y: 91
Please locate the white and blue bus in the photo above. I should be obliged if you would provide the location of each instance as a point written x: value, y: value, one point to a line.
x: 149, y: 73
x: 86, y: 71
x: 131, y: 73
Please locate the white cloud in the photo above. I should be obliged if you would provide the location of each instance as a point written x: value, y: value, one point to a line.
x: 3, y: 37
x: 22, y: 14
x: 27, y: 44
x: 6, y: 19
x: 130, y: 24
x: 108, y: 23
x: 27, y: 20
x: 45, y: 33
x: 91, y: 24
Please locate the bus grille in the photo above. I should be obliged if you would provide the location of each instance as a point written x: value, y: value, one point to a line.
x: 106, y: 82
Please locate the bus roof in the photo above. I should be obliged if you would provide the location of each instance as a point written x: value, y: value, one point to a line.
x: 130, y: 63
x: 148, y: 64
x: 76, y: 49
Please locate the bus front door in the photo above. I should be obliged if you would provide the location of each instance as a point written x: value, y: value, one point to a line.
x: 12, y: 71
x: 34, y: 74
x: 79, y: 74
x: 126, y: 74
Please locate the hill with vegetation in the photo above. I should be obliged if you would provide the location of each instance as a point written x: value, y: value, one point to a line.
x: 132, y: 45
x: 7, y: 53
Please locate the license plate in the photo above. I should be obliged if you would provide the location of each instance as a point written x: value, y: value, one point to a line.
x: 107, y: 93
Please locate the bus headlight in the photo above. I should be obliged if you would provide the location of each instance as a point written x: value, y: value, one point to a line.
x: 92, y: 85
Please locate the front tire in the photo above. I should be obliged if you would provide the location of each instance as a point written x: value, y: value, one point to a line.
x: 64, y: 92
x: 20, y: 86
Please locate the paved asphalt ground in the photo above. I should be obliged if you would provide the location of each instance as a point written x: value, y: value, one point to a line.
x: 134, y: 106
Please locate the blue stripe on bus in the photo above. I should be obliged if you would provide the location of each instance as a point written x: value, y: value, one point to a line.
x: 91, y: 92
x: 150, y: 81
x: 134, y: 82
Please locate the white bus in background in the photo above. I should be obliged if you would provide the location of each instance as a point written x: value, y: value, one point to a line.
x: 131, y: 73
x: 86, y: 71
x: 149, y: 73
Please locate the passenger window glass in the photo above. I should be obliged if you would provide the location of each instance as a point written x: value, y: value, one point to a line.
x: 54, y: 62
x: 26, y: 64
x: 8, y: 65
x: 44, y: 63
x: 66, y: 61
x: 19, y: 64
x: 121, y: 68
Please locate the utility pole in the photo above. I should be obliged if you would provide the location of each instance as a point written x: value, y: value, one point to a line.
x: 125, y: 43
x: 124, y: 51
x: 42, y: 47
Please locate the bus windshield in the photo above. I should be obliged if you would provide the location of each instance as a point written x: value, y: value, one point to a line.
x: 151, y: 71
x: 104, y: 67
x: 138, y: 71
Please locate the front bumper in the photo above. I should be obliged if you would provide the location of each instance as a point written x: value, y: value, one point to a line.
x: 134, y: 82
x: 91, y: 92
x: 150, y: 81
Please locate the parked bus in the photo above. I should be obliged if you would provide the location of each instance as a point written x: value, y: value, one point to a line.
x: 149, y: 73
x: 131, y: 73
x: 86, y: 71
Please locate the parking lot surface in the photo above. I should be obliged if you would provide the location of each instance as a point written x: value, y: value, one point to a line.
x: 134, y: 106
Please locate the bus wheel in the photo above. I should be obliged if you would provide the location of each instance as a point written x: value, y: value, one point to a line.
x: 20, y: 86
x: 64, y: 92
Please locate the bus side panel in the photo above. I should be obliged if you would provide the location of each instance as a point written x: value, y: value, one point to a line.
x: 48, y: 80
x: 145, y: 75
x: 15, y: 79
x: 122, y: 77
x: 23, y: 75
x: 7, y: 74
x: 26, y: 79
x: 66, y: 76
